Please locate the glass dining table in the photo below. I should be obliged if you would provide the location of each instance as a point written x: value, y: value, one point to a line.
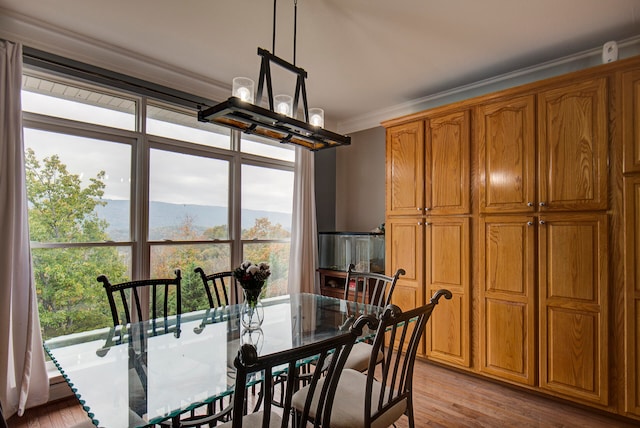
x: 155, y: 370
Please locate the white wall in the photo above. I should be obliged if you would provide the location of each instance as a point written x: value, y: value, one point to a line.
x: 360, y: 182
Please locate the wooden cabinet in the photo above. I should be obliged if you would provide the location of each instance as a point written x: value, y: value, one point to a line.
x: 507, y: 298
x: 632, y: 291
x: 428, y: 173
x: 631, y: 120
x: 505, y: 133
x: 448, y: 148
x: 573, y: 295
x: 572, y: 144
x: 405, y: 169
x: 427, y: 166
x: 542, y: 250
x: 447, y: 265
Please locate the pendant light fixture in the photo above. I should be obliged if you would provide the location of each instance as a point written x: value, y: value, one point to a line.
x: 243, y: 112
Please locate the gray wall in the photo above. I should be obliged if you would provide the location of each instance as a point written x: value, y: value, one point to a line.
x: 325, y: 176
x: 360, y: 182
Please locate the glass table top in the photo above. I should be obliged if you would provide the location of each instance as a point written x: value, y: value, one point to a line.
x: 154, y: 370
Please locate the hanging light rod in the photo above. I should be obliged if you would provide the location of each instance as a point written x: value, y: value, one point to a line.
x: 278, y: 122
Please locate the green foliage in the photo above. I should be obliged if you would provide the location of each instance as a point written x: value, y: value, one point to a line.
x: 70, y: 299
x: 61, y: 210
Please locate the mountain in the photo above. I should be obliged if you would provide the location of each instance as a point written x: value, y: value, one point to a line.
x: 164, y: 215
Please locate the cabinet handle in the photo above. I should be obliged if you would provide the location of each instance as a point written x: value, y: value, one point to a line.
x: 427, y: 209
x: 542, y: 222
x: 419, y: 209
x: 529, y: 204
x: 529, y: 223
x: 542, y: 204
x: 419, y: 223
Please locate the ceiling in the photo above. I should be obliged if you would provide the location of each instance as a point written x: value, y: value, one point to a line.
x: 361, y: 56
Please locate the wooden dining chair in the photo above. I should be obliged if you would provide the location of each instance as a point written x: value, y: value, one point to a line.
x: 265, y: 367
x: 368, y: 288
x: 378, y: 398
x: 220, y: 287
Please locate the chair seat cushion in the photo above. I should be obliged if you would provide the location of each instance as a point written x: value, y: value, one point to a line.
x: 348, y: 405
x: 255, y: 420
x: 359, y: 357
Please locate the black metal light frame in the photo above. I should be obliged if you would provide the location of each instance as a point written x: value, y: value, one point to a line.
x: 253, y: 119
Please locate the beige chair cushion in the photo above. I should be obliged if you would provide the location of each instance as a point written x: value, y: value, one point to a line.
x: 359, y: 357
x: 348, y: 405
x: 255, y: 420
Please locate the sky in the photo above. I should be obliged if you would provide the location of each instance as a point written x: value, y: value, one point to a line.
x: 174, y: 177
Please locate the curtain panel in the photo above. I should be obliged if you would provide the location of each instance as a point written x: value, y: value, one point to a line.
x: 303, y: 258
x: 23, y: 375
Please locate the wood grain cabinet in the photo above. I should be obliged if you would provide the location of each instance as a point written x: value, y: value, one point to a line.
x: 428, y: 173
x: 632, y: 290
x: 542, y: 248
x: 631, y: 120
x: 508, y: 345
x: 573, y: 293
x: 505, y: 134
x: 573, y: 147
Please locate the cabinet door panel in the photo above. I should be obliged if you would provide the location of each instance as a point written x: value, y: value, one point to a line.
x: 447, y: 165
x: 632, y: 292
x: 448, y: 266
x: 506, y: 155
x: 507, y: 299
x: 573, y: 305
x: 405, y: 169
x: 631, y: 120
x: 573, y: 144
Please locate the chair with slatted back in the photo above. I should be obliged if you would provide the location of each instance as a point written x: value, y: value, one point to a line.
x: 126, y: 303
x: 367, y: 288
x: 248, y: 363
x: 162, y: 292
x: 378, y: 398
x: 220, y: 287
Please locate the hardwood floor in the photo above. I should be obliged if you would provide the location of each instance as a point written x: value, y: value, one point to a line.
x: 443, y: 398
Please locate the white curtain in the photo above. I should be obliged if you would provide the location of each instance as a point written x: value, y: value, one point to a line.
x: 303, y: 258
x: 23, y: 375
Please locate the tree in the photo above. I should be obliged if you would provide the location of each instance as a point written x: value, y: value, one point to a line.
x: 62, y: 211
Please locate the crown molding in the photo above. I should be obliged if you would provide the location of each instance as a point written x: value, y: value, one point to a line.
x: 581, y: 60
x: 46, y: 37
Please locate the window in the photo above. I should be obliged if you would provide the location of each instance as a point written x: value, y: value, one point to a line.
x: 106, y: 197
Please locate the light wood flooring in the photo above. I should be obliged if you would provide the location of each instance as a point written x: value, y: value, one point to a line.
x: 442, y: 398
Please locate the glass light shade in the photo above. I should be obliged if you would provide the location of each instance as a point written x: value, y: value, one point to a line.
x: 316, y: 117
x: 283, y: 104
x: 243, y: 89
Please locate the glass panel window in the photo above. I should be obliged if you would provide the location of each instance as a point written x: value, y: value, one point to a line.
x: 267, y: 201
x: 188, y: 197
x: 267, y: 148
x: 70, y: 299
x: 77, y: 102
x: 78, y: 188
x: 276, y: 254
x: 177, y: 125
x: 210, y: 257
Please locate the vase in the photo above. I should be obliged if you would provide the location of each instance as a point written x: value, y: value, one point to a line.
x: 252, y: 312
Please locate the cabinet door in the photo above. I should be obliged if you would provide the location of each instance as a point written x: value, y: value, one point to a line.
x: 447, y: 266
x: 405, y: 169
x: 507, y: 298
x: 631, y: 120
x: 573, y: 272
x: 572, y: 139
x: 506, y: 155
x: 405, y: 249
x: 632, y: 292
x: 447, y: 182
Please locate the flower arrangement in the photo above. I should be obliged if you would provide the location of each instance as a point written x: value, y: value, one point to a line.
x: 252, y: 278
